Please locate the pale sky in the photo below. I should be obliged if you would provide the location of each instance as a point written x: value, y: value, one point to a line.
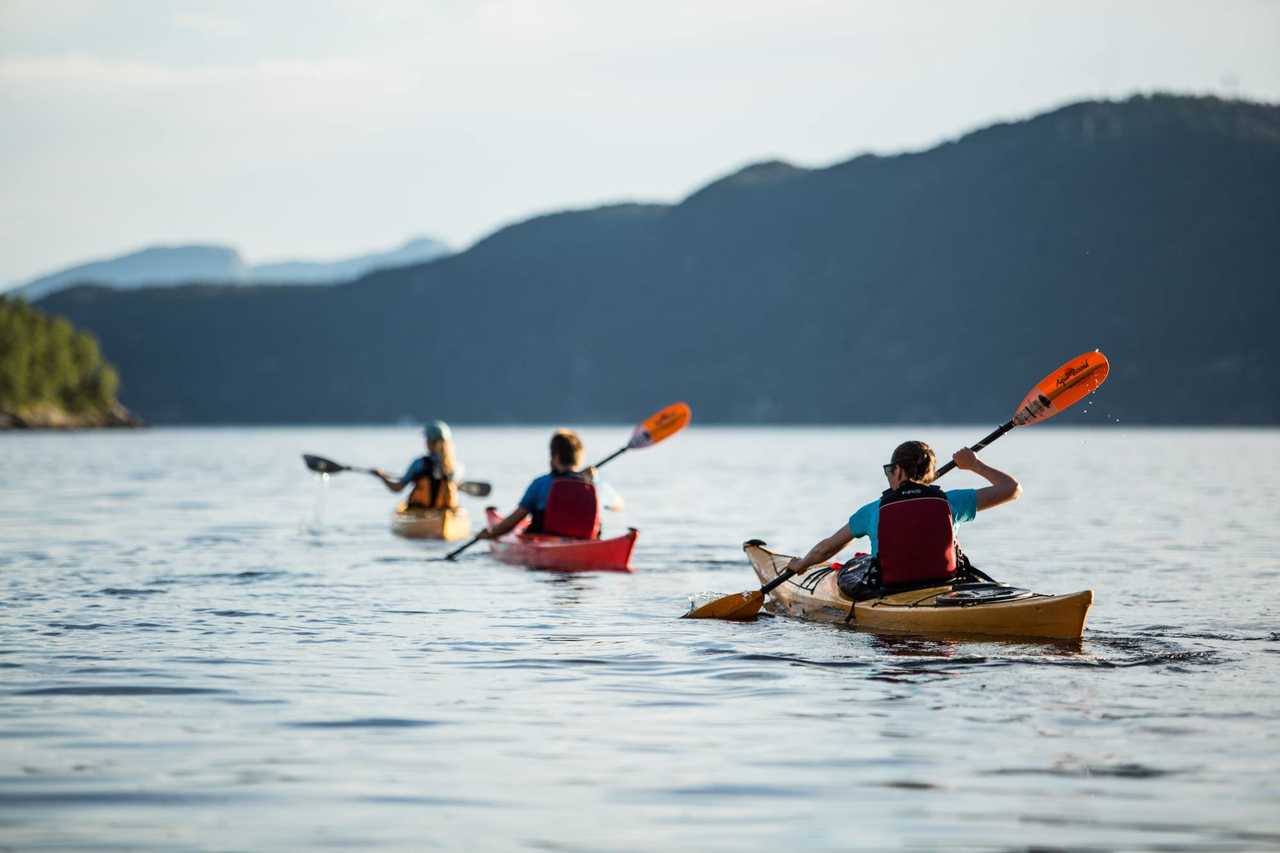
x: 301, y: 128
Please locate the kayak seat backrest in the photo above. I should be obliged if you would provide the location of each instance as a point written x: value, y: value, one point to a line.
x: 572, y: 510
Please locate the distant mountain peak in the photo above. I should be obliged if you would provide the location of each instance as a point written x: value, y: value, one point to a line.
x: 755, y: 175
x: 217, y: 264
x: 421, y: 241
x: 766, y: 171
x: 152, y: 265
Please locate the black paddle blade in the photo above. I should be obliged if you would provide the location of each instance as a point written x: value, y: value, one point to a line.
x: 321, y: 465
x: 475, y: 489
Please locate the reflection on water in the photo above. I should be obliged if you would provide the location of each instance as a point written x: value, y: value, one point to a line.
x: 203, y: 645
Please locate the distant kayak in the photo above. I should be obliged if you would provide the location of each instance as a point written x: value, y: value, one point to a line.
x: 955, y: 609
x: 415, y: 523
x: 560, y: 554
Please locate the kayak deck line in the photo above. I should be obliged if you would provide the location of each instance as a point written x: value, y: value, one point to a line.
x: 919, y: 611
x: 561, y: 553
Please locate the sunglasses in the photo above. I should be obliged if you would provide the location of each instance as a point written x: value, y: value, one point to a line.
x: 888, y: 469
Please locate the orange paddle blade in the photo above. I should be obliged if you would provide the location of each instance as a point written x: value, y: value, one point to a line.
x: 738, y: 607
x: 1067, y: 385
x: 661, y: 425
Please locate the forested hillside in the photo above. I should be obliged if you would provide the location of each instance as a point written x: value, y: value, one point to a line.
x: 51, y: 374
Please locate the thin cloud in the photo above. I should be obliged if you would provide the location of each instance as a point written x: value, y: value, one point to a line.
x: 91, y: 71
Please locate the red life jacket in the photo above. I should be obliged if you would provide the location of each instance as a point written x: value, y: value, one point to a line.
x: 572, y: 509
x: 916, y: 539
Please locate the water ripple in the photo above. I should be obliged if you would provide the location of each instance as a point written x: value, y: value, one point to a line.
x: 365, y: 723
x: 116, y: 690
x: 1120, y: 771
x: 30, y: 799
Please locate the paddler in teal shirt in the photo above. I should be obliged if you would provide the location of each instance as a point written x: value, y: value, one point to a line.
x: 911, y: 526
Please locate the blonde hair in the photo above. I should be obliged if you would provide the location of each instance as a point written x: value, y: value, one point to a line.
x: 442, y: 448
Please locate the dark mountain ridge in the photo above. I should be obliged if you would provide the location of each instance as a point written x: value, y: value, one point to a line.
x: 922, y: 287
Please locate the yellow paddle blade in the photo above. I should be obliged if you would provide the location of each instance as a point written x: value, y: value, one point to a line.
x: 738, y: 607
x: 661, y: 425
x: 1067, y: 385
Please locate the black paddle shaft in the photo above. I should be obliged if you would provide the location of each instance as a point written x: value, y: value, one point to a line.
x: 776, y: 582
x: 612, y: 456
x: 999, y: 431
x: 453, y: 555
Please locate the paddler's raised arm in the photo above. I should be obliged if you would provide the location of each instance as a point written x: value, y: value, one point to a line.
x: 1003, y: 488
x: 823, y: 551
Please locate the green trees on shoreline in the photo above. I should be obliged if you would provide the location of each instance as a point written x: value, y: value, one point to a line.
x: 50, y: 373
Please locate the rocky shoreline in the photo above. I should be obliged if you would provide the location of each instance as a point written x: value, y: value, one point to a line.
x: 54, y: 417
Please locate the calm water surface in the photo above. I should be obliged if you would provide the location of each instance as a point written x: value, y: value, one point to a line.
x: 205, y: 647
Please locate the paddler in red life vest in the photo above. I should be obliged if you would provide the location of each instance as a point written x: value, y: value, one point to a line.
x: 563, y: 502
x: 433, y: 475
x: 912, y: 525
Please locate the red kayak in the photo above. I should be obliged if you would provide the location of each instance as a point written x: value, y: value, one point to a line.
x: 560, y: 554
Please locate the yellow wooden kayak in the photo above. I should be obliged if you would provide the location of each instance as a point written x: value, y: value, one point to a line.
x: 417, y: 523
x: 956, y: 609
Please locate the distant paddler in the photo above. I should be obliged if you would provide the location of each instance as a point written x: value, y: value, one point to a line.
x: 432, y: 510
x: 433, y: 476
x: 564, y: 502
x: 430, y: 474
